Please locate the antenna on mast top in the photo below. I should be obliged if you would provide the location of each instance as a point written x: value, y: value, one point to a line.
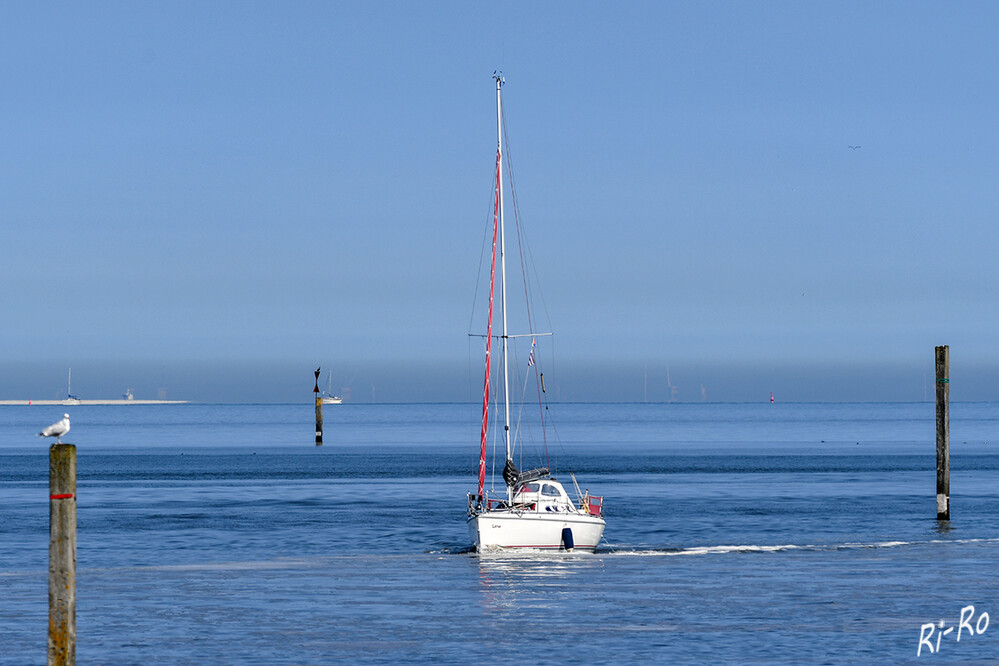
x: 498, y: 77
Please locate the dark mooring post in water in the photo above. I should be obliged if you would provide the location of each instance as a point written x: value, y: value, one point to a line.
x: 319, y: 410
x: 62, y: 555
x: 943, y: 432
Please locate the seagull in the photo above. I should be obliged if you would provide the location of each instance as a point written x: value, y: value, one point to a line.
x: 57, y: 429
x: 853, y: 147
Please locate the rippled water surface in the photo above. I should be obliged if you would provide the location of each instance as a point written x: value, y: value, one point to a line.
x: 739, y: 533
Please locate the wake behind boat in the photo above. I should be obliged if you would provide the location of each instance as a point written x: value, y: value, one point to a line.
x: 534, y: 512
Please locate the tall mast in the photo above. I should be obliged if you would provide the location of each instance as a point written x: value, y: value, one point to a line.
x: 489, y: 329
x: 506, y: 375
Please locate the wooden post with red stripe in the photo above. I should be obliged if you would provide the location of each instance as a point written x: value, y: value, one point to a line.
x: 62, y: 555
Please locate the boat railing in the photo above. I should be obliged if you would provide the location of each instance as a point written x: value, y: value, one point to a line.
x: 516, y: 506
x: 480, y: 503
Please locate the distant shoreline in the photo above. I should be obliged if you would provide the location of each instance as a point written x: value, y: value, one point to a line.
x: 74, y: 403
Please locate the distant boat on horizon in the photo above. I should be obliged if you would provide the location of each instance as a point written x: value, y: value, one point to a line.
x: 70, y: 398
x: 83, y: 402
x: 328, y: 397
x: 127, y: 398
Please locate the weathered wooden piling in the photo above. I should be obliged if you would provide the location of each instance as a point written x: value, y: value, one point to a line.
x: 62, y: 555
x: 319, y: 420
x: 319, y: 411
x: 943, y: 432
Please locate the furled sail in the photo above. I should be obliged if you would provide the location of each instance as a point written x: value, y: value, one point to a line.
x: 514, y: 477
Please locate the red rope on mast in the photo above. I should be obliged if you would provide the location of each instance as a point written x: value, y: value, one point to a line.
x: 489, y: 330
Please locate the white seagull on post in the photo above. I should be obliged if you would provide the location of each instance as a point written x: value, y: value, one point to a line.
x: 57, y: 429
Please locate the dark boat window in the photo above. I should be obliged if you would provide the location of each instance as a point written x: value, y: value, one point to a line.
x: 529, y: 488
x: 550, y: 491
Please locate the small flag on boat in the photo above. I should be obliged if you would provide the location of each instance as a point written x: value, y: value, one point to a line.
x: 530, y: 358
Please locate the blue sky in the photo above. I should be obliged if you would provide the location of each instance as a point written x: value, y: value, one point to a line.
x: 214, y: 198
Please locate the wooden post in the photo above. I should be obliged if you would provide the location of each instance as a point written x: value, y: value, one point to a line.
x: 943, y: 432
x: 62, y: 555
x: 319, y: 420
x: 319, y: 411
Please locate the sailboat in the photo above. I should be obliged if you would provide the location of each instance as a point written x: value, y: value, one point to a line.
x: 70, y: 398
x: 328, y: 397
x: 534, y: 512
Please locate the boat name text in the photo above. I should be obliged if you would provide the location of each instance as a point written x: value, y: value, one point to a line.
x: 963, y: 626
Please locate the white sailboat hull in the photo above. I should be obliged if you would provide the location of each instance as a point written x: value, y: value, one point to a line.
x: 497, y: 531
x: 536, y: 513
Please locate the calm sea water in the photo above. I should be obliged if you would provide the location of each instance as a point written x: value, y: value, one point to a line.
x: 737, y: 533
